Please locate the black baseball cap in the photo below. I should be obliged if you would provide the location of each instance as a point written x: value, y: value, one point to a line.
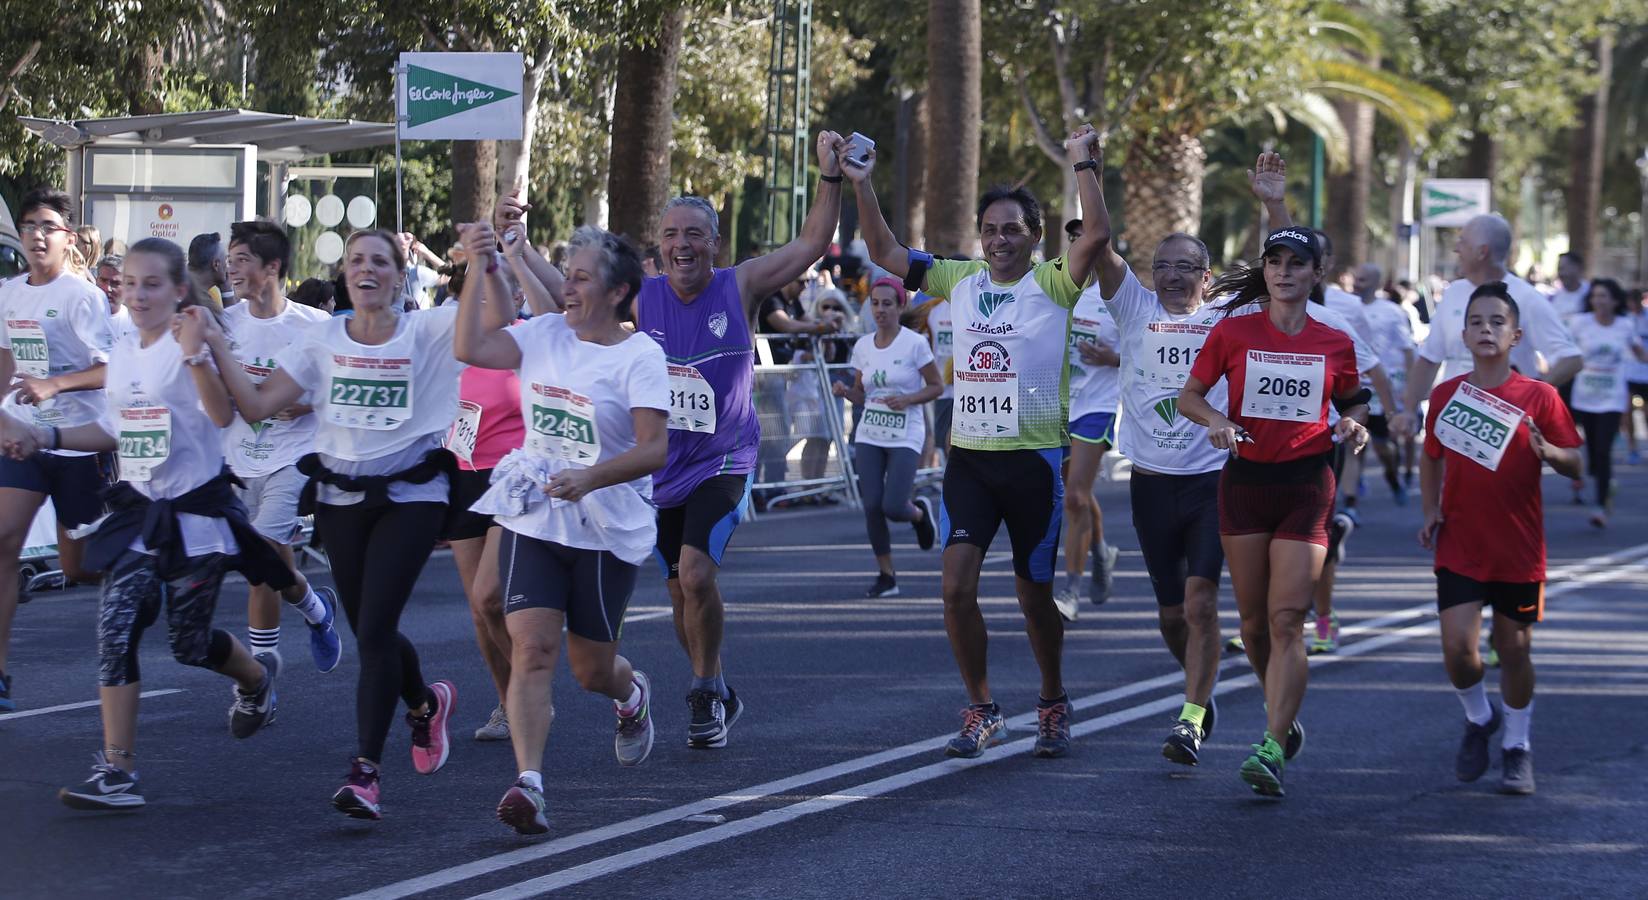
x: 1302, y: 241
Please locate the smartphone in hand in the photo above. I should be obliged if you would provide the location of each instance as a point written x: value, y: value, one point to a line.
x: 858, y: 150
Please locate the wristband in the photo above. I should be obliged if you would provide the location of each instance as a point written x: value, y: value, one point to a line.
x: 1357, y: 399
x: 199, y: 358
x: 919, y: 261
x: 1084, y: 165
x: 831, y: 179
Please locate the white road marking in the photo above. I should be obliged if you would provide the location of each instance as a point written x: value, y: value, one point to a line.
x: 82, y: 705
x: 1593, y: 569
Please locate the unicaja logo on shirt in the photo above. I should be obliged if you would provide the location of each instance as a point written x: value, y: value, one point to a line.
x: 1168, y: 409
x: 990, y: 301
x: 718, y: 324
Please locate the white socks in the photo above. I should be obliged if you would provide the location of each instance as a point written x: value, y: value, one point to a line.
x: 1517, y: 724
x: 628, y: 707
x: 310, y: 607
x: 263, y: 640
x: 532, y: 778
x: 1475, y: 701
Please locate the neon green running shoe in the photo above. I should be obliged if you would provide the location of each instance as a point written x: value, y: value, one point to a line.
x: 1263, y: 770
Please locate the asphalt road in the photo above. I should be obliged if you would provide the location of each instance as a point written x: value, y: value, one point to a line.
x: 834, y: 784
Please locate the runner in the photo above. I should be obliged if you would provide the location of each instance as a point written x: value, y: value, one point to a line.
x: 1636, y: 378
x: 1012, y: 322
x: 385, y: 388
x: 1390, y: 332
x: 1571, y: 288
x: 55, y: 340
x: 598, y: 400
x: 264, y: 455
x: 175, y: 527
x: 1095, y: 390
x: 698, y: 314
x: 1481, y: 475
x: 1276, y: 494
x: 1600, y: 396
x: 893, y: 375
x: 1482, y: 248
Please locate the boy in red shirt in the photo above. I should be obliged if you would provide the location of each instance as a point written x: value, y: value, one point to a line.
x: 1489, y: 432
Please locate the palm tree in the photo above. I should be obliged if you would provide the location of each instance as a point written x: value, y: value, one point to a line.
x: 1585, y: 157
x: 638, y: 179
x: 954, y: 102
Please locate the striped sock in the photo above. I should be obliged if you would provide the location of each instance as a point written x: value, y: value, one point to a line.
x: 310, y: 607
x: 263, y: 640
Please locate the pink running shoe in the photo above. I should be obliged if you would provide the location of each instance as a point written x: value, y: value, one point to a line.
x: 430, y: 745
x: 358, y: 798
x: 522, y: 809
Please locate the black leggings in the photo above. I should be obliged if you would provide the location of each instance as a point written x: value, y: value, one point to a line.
x: 377, y: 555
x: 1600, y: 431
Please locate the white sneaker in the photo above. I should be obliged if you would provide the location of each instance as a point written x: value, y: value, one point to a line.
x: 496, y: 727
x: 1068, y: 606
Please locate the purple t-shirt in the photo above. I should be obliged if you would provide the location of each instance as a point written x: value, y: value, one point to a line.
x: 709, y: 335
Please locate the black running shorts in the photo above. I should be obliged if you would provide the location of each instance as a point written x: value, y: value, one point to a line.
x: 984, y: 488
x: 1518, y: 601
x: 1177, y: 519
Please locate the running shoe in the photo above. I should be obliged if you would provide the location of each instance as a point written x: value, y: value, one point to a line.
x: 712, y: 718
x: 885, y: 586
x: 1184, y: 743
x: 1263, y: 770
x: 1052, y: 730
x: 430, y: 745
x: 1069, y: 607
x: 927, y: 527
x: 1516, y: 774
x: 1340, y: 529
x: 109, y: 787
x: 981, y: 727
x: 496, y: 727
x: 6, y: 703
x: 324, y: 644
x: 1599, y: 518
x: 1633, y: 458
x: 522, y: 809
x: 633, y: 742
x: 1235, y: 645
x: 358, y: 798
x: 1104, y: 572
x: 1295, y: 741
x: 253, y: 710
x: 1327, y: 635
x: 1473, y: 747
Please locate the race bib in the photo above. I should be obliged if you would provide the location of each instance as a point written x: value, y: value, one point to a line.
x: 692, y: 401
x: 369, y: 392
x: 460, y: 438
x: 1477, y: 425
x: 28, y: 347
x: 1081, y: 330
x: 986, y: 404
x: 1286, y: 387
x: 944, y: 342
x: 145, y: 441
x: 881, y: 424
x: 1170, y: 349
x: 562, y: 424
x: 1596, y: 388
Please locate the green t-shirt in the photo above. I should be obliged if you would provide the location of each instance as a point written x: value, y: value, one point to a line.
x: 1012, y: 387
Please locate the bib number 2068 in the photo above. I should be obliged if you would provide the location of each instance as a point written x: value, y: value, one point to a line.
x: 1270, y: 386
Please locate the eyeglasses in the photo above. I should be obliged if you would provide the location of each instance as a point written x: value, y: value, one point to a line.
x: 28, y: 228
x: 1183, y: 268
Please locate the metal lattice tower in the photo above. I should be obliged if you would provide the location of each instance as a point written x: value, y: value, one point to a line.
x: 789, y: 94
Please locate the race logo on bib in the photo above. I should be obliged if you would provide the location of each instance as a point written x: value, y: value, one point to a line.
x: 989, y: 356
x: 718, y: 324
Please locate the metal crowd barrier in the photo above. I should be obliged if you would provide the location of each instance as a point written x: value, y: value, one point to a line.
x: 805, y: 448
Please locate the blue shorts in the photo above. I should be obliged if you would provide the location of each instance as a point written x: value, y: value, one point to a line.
x: 704, y: 522
x: 1095, y: 428
x: 72, y: 482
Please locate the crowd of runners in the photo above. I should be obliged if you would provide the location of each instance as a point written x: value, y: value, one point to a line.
x: 558, y: 423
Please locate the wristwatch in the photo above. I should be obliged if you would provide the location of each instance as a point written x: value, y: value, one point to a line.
x: 1085, y: 165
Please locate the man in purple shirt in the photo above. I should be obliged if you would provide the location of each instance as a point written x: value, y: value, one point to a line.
x: 697, y: 313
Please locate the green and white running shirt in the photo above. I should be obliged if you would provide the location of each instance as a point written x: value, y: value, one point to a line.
x: 1012, y: 386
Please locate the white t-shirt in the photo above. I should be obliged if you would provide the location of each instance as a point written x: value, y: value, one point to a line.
x: 1567, y: 303
x: 120, y: 322
x: 1093, y: 389
x: 1157, y: 349
x: 1542, y: 330
x: 1600, y: 386
x: 258, y: 449
x: 379, y: 408
x: 1391, y: 334
x: 168, y: 445
x: 576, y: 401
x: 53, y: 329
x: 944, y: 346
x: 1350, y: 308
x: 894, y: 370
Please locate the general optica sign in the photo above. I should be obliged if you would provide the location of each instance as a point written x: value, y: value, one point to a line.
x: 460, y: 96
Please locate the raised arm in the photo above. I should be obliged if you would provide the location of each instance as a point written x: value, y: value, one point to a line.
x: 1086, y: 251
x: 510, y: 211
x: 479, y: 338
x: 541, y: 297
x: 1268, y: 181
x: 1111, y: 268
x: 256, y: 402
x: 189, y: 330
x: 762, y: 275
x: 884, y: 248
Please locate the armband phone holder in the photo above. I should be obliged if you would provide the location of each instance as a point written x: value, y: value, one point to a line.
x: 919, y: 262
